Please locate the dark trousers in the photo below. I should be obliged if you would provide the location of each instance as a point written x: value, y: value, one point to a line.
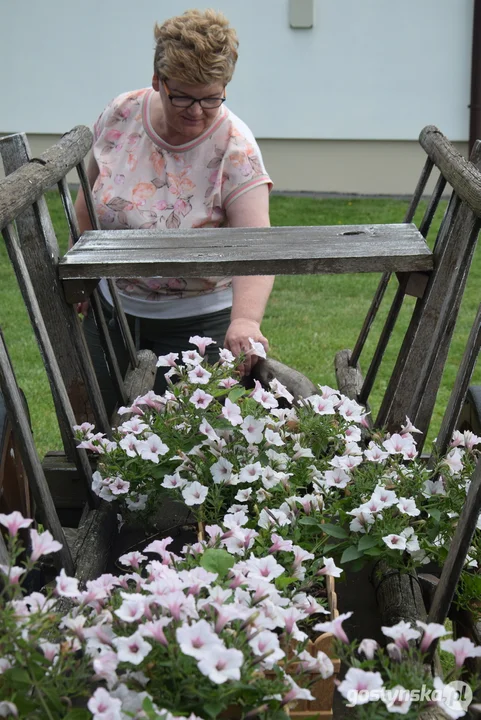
x: 160, y: 336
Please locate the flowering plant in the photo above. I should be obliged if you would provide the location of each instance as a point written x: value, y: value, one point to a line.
x: 218, y: 446
x: 397, y: 679
x: 213, y: 444
x: 196, y: 635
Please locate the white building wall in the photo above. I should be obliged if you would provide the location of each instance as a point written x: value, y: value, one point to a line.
x: 368, y: 69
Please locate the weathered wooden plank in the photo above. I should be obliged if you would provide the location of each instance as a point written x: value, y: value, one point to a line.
x: 246, y: 251
x: 59, y: 392
x: 377, y: 236
x: 458, y: 550
x: 464, y: 178
x: 40, y: 252
x: 27, y: 184
x: 94, y: 542
x: 30, y: 459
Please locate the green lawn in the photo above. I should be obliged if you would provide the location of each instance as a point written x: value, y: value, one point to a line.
x: 307, y: 321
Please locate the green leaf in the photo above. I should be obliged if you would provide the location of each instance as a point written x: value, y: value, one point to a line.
x: 212, y: 708
x: 148, y: 708
x: 308, y: 520
x: 366, y: 542
x: 334, y: 530
x: 217, y: 561
x: 283, y: 582
x: 351, y: 553
x: 78, y: 714
x: 236, y: 393
x: 17, y: 676
x: 327, y: 550
x: 374, y: 551
x: 435, y: 513
x: 357, y: 565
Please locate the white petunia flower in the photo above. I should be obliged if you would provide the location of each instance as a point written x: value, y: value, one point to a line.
x: 132, y: 649
x: 194, y: 493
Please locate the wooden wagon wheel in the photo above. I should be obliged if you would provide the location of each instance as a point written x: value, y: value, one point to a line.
x: 14, y: 489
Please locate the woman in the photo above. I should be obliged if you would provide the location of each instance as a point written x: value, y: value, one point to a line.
x: 173, y: 156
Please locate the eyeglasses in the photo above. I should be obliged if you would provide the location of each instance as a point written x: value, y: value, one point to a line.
x: 185, y: 101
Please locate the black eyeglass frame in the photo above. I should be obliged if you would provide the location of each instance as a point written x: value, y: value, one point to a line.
x: 171, y: 97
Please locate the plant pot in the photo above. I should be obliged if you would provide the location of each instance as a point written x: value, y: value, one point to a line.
x: 173, y: 519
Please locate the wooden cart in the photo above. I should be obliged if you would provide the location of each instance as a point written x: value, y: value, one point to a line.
x: 52, y: 285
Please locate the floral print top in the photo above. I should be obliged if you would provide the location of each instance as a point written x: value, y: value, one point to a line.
x: 146, y: 183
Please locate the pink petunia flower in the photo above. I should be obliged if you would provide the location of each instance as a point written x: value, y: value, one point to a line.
x: 104, y: 707
x: 14, y: 522
x: 43, y: 544
x: 335, y: 626
x: 202, y: 342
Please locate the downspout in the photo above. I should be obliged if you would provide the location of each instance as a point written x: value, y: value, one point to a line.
x: 475, y: 106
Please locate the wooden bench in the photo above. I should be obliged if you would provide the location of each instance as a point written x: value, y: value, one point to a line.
x: 247, y: 251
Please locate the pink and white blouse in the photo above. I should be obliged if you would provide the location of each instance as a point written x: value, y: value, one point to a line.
x: 146, y: 183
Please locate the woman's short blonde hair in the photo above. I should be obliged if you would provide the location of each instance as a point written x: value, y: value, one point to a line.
x: 197, y: 48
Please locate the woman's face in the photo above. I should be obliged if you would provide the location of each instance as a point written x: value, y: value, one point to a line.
x: 189, y: 122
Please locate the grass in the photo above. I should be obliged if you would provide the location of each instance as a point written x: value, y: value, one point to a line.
x: 308, y: 319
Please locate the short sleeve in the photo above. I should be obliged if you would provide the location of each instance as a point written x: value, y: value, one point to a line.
x: 99, y: 124
x: 243, y: 168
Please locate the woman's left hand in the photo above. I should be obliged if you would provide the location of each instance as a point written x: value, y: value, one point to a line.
x: 237, y: 341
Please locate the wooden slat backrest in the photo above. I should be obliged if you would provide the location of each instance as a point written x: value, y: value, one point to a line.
x: 40, y: 253
x: 466, y: 183
x: 382, y: 287
x: 418, y: 370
